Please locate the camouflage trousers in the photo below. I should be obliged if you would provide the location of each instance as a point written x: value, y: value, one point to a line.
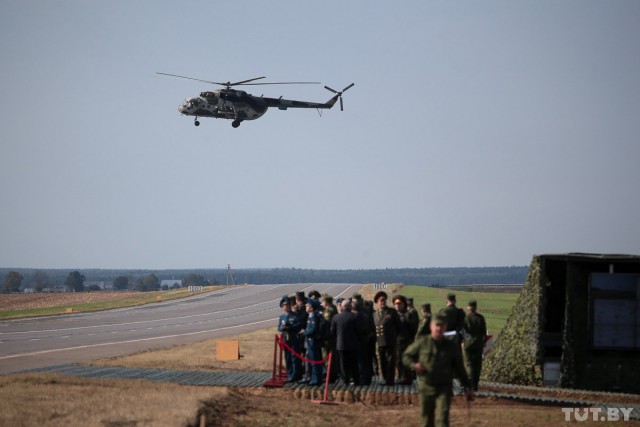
x: 434, y: 405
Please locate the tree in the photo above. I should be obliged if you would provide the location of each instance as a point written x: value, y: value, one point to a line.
x: 192, y: 279
x: 40, y: 280
x: 12, y: 282
x: 148, y: 283
x: 121, y: 283
x: 74, y: 282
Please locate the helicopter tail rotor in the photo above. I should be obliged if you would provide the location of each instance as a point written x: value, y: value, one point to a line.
x: 339, y: 94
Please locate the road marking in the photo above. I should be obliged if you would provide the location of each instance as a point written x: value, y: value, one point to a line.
x: 56, y: 350
x: 165, y: 319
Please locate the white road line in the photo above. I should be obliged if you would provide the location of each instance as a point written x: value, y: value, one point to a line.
x: 55, y: 350
x: 149, y: 321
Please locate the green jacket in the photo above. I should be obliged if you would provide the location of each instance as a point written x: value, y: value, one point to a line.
x: 474, y: 331
x: 387, y: 324
x: 455, y: 317
x: 441, y: 359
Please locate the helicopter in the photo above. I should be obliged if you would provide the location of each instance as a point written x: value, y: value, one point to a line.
x: 238, y: 105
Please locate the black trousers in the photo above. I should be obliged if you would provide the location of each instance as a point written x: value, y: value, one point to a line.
x: 387, y: 359
x: 349, y: 366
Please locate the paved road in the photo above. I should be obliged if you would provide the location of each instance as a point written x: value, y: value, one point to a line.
x: 73, y: 338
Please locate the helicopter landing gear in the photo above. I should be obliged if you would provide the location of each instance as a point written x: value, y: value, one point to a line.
x: 196, y: 122
x: 236, y: 123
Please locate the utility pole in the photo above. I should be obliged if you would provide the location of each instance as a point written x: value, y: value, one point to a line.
x: 230, y: 275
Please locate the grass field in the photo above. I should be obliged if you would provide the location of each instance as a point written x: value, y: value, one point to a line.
x: 30, y: 305
x: 495, y: 307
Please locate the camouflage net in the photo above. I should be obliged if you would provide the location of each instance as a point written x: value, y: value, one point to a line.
x: 517, y: 353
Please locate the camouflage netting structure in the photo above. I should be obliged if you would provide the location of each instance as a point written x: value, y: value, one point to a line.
x: 517, y: 353
x: 577, y: 322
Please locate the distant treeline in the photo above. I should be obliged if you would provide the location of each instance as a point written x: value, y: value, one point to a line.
x: 409, y: 276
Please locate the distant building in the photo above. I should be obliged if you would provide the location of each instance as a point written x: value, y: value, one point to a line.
x: 171, y: 283
x: 576, y: 324
x: 105, y: 286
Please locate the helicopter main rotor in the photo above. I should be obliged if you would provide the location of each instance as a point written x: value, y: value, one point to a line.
x: 228, y: 85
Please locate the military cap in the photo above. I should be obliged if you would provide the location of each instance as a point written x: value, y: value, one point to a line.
x: 313, y: 303
x: 380, y: 294
x: 426, y: 307
x: 357, y: 296
x: 473, y: 303
x: 410, y: 301
x: 451, y: 297
x: 439, y: 319
x: 400, y: 298
x: 284, y: 300
x: 300, y: 296
x: 327, y: 298
x: 339, y: 300
x: 314, y: 294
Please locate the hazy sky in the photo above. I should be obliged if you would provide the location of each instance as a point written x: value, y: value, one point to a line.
x: 477, y: 133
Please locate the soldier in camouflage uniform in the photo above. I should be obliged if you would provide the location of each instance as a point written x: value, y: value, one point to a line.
x: 406, y: 335
x: 424, y: 327
x: 329, y: 344
x: 475, y: 335
x: 453, y: 315
x: 436, y: 360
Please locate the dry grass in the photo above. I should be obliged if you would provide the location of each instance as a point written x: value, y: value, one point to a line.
x: 13, y: 306
x: 52, y: 400
x: 256, y: 354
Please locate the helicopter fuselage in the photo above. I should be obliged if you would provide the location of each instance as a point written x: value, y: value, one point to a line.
x: 225, y: 104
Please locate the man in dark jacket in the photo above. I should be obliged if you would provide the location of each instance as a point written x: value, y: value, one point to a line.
x: 344, y: 327
x: 387, y: 326
x: 365, y: 367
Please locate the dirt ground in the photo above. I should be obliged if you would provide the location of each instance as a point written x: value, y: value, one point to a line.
x: 53, y: 400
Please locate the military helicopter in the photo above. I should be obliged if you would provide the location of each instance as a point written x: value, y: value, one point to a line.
x: 238, y: 105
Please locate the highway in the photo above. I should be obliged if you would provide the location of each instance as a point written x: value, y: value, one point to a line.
x: 75, y: 338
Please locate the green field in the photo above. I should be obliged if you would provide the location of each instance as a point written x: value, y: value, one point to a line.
x: 495, y: 307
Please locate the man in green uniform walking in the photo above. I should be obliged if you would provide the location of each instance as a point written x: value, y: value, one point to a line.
x: 474, y: 331
x: 436, y: 361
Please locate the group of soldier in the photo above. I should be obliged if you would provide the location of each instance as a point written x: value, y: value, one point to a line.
x: 390, y: 341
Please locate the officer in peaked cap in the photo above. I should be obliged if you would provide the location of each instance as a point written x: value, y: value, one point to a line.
x: 284, y: 300
x: 380, y: 294
x: 387, y: 326
x: 312, y: 341
x: 314, y: 294
x: 289, y: 326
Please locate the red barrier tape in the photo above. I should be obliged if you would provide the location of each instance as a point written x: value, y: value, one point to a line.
x: 313, y: 362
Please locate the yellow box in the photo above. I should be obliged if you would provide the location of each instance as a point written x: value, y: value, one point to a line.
x: 227, y: 350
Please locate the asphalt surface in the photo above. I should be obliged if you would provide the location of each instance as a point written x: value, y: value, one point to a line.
x: 75, y: 338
